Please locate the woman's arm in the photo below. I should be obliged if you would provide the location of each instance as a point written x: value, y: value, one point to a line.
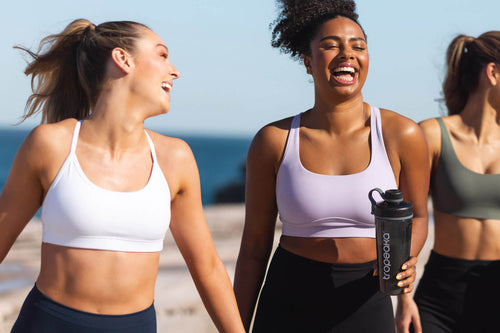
x: 407, y: 311
x: 22, y: 193
x: 412, y: 151
x: 260, y: 218
x: 408, y: 152
x: 414, y: 182
x: 192, y: 236
x: 432, y: 134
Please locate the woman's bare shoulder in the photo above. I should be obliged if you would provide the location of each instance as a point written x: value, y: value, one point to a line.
x: 431, y: 128
x: 169, y: 147
x: 399, y: 127
x: 50, y: 140
x: 271, y: 139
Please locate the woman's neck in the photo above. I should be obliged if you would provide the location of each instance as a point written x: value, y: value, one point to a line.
x: 481, y: 117
x: 114, y: 124
x: 340, y: 117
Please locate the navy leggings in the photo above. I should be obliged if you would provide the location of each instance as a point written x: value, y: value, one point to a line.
x: 40, y: 314
x: 302, y: 295
x: 457, y: 295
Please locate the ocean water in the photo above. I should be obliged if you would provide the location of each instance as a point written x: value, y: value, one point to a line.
x: 220, y: 161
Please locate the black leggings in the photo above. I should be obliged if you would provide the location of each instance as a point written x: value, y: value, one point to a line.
x: 302, y: 295
x: 457, y: 295
x: 40, y: 314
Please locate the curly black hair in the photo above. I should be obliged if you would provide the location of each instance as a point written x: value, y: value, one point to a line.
x: 299, y: 21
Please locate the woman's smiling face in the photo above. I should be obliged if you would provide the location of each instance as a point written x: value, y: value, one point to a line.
x: 338, y: 59
x: 153, y: 72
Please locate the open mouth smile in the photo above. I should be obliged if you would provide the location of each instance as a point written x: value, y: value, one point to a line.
x: 167, y: 86
x: 345, y: 74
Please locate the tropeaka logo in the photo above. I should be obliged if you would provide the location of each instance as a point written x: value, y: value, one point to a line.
x: 387, y: 256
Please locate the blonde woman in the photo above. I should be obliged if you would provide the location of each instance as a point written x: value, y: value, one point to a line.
x: 108, y: 188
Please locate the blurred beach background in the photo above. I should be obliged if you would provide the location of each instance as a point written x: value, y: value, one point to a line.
x: 232, y: 83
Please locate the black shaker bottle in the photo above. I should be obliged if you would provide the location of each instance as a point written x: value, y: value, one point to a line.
x: 393, y: 221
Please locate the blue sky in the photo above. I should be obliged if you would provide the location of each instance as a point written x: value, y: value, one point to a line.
x: 232, y: 81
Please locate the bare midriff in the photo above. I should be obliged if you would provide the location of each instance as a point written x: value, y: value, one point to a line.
x: 96, y: 281
x: 332, y: 250
x: 466, y: 238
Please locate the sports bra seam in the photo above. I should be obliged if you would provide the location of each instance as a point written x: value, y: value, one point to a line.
x: 119, y: 238
x: 460, y: 213
x: 329, y: 218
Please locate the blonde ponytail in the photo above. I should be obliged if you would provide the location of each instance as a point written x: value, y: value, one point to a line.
x: 67, y: 71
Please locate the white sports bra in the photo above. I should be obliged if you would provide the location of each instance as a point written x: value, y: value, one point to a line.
x: 78, y: 213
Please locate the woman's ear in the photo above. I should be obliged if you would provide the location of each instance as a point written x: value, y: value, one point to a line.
x: 493, y: 73
x: 122, y: 59
x: 307, y: 64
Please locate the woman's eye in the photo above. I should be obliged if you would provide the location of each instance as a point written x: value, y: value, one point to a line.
x: 359, y: 47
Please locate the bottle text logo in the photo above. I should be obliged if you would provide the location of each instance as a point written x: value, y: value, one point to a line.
x: 387, y: 256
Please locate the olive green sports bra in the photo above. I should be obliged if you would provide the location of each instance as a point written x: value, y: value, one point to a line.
x: 459, y: 191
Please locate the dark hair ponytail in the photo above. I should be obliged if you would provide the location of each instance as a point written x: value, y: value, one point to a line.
x: 466, y: 57
x: 67, y: 72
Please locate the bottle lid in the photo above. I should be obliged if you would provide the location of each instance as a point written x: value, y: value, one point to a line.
x: 393, y: 196
x: 393, y: 206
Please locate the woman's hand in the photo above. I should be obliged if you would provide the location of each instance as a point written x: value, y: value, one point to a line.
x: 406, y: 314
x: 407, y: 311
x: 408, y: 275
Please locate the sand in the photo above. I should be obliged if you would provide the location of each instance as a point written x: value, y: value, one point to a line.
x: 178, y: 305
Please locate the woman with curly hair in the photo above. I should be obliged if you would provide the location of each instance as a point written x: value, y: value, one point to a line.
x: 457, y: 289
x: 315, y: 169
x: 108, y: 188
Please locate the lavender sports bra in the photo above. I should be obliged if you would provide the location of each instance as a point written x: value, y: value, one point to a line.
x: 318, y: 205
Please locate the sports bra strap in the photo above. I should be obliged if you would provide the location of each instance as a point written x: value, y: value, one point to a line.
x: 75, y: 137
x: 152, y: 147
x: 296, y: 121
x: 292, y: 145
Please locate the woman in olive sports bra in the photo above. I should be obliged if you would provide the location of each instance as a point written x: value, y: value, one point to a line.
x: 109, y: 189
x: 315, y: 170
x: 458, y: 291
